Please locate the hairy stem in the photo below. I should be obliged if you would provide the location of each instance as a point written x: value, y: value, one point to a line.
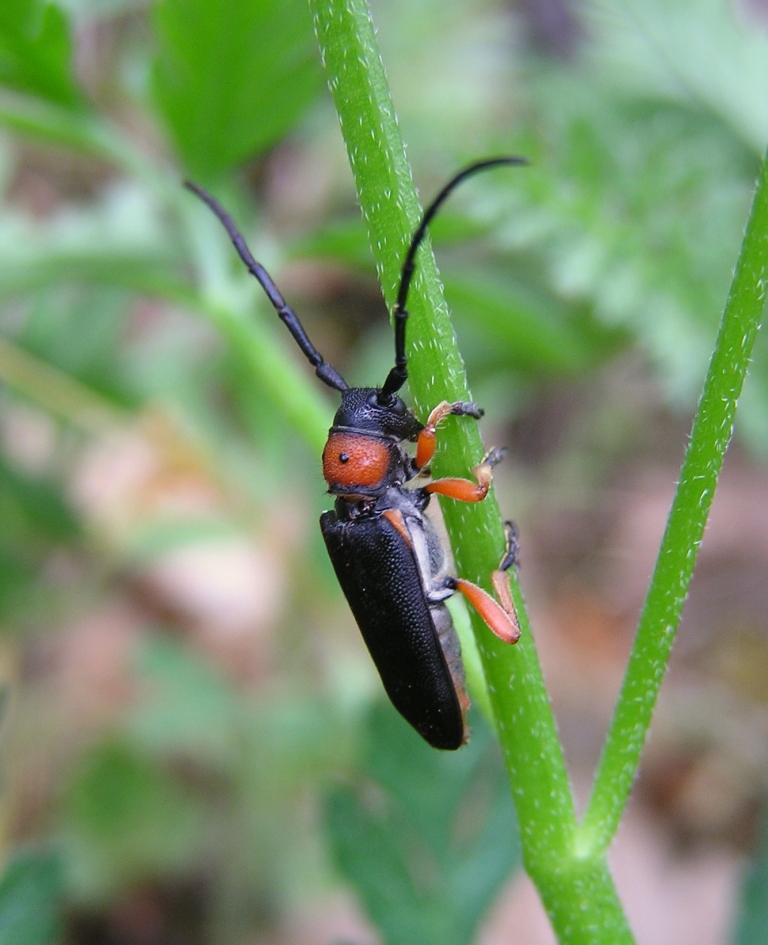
x: 712, y: 428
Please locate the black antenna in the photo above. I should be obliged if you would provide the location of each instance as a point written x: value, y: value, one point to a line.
x: 327, y: 374
x: 399, y: 373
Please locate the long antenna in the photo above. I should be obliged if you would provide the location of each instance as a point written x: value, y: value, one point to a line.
x: 327, y: 374
x: 399, y: 373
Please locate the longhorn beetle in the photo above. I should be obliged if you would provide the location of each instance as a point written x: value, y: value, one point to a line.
x: 387, y: 556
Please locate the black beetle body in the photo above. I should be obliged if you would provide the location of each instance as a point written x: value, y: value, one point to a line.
x: 396, y: 590
x: 389, y: 560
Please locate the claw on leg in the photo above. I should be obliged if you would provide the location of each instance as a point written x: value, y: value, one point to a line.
x: 425, y: 447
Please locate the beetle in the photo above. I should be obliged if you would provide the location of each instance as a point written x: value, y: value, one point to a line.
x: 387, y: 556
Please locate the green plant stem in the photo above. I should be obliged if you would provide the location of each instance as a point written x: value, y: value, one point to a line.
x: 56, y: 392
x: 91, y: 134
x: 710, y: 435
x: 578, y: 893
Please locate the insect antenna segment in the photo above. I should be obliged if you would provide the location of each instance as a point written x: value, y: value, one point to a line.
x: 327, y: 374
x: 399, y: 373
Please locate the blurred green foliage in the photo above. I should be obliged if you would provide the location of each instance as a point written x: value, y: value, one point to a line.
x: 37, y: 52
x: 644, y: 126
x: 31, y: 891
x: 219, y: 117
x: 426, y: 838
x: 752, y: 915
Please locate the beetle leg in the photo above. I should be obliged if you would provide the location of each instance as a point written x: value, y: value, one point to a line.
x: 500, y: 579
x: 426, y: 444
x: 500, y: 615
x: 500, y: 618
x: 463, y: 489
x: 511, y: 555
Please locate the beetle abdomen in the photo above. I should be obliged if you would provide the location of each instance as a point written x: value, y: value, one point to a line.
x: 403, y: 631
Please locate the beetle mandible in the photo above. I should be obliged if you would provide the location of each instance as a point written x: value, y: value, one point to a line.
x: 387, y: 555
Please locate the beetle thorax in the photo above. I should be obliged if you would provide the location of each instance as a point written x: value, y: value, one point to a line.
x: 357, y: 464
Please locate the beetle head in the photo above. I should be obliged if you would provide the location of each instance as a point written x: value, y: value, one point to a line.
x: 361, y: 410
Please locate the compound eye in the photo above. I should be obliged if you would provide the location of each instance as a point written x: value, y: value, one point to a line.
x: 382, y: 403
x: 392, y: 403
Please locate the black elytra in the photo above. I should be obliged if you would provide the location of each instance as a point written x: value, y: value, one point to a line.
x: 389, y: 560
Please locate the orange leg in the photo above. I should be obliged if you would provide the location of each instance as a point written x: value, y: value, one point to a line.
x: 425, y: 447
x: 500, y: 616
x: 463, y: 489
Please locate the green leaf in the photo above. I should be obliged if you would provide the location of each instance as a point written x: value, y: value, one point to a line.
x: 710, y: 54
x: 17, y: 576
x: 530, y: 328
x: 156, y: 538
x: 117, y: 240
x: 35, y: 518
x: 343, y: 240
x: 636, y: 219
x: 232, y: 76
x: 188, y: 710
x: 36, y: 52
x: 34, y: 512
x: 425, y: 837
x: 127, y: 819
x: 30, y: 892
x: 752, y: 920
x: 53, y: 124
